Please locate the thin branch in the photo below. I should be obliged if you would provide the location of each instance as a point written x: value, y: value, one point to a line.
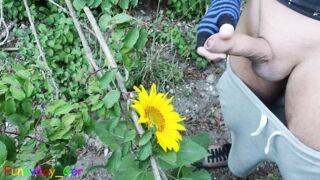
x: 42, y: 55
x: 112, y: 64
x: 10, y: 26
x: 17, y: 134
x: 11, y: 49
x: 85, y: 45
x: 120, y: 81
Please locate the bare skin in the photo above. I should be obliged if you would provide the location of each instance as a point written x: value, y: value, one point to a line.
x: 276, y: 49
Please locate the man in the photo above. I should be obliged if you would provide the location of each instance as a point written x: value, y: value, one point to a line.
x: 275, y: 50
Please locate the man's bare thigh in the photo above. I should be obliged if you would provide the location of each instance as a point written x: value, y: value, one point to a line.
x: 303, y: 102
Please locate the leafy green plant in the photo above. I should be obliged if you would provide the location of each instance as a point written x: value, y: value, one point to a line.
x: 190, y: 9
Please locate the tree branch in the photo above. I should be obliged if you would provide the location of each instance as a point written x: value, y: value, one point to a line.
x: 42, y: 55
x: 84, y: 42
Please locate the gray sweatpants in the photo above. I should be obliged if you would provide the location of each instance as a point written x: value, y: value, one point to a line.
x: 258, y: 135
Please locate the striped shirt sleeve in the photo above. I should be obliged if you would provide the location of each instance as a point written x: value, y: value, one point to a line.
x: 220, y: 12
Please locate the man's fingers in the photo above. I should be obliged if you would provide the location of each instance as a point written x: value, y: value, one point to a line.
x: 226, y: 31
x: 210, y: 56
x: 256, y: 49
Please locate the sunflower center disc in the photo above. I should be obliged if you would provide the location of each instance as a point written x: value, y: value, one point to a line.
x: 156, y: 117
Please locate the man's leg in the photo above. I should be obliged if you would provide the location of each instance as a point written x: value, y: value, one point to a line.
x: 303, y: 103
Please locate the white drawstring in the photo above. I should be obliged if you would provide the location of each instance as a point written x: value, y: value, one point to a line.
x: 263, y: 123
x: 267, y: 148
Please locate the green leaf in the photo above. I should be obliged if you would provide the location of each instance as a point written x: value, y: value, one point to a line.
x: 54, y: 105
x: 111, y: 98
x: 145, y: 138
x: 121, y: 18
x: 79, y: 4
x: 27, y: 107
x: 143, y: 38
x: 134, y: 3
x: 3, y: 152
x: 104, y: 22
x: 3, y: 89
x: 106, y: 6
x: 131, y: 39
x: 101, y: 129
x: 169, y: 157
x: 10, y: 106
x: 202, y: 139
x: 145, y: 175
x: 17, y: 93
x: 97, y: 106
x: 130, y: 135
x: 96, y: 3
x: 68, y: 119
x: 128, y: 169
x: 24, y: 74
x: 79, y: 140
x: 10, y: 146
x: 124, y: 4
x: 107, y: 78
x: 145, y: 151
x: 114, y: 161
x: 28, y: 88
x: 9, y: 79
x: 131, y: 174
x: 90, y: 2
x: 64, y: 109
x: 189, y: 174
x: 190, y: 152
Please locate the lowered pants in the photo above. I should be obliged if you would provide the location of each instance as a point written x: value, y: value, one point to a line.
x: 258, y: 135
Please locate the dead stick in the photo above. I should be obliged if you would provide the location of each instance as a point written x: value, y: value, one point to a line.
x: 42, y: 55
x: 85, y: 45
x: 120, y: 81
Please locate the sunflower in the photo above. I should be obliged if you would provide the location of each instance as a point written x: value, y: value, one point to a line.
x: 156, y: 110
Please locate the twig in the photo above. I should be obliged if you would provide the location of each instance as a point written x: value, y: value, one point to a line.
x: 112, y: 64
x: 17, y: 134
x: 3, y: 23
x: 120, y: 81
x: 67, y: 12
x: 11, y: 49
x: 42, y: 55
x: 85, y: 45
x: 10, y: 26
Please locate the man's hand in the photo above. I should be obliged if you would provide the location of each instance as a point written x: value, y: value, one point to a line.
x: 226, y: 32
x: 228, y: 42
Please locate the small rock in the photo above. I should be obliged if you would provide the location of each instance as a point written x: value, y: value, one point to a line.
x: 210, y: 88
x: 211, y: 79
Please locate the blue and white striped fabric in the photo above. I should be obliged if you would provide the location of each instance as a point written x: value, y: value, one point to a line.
x: 219, y: 13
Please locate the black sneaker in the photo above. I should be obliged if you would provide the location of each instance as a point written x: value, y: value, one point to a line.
x: 218, y: 156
